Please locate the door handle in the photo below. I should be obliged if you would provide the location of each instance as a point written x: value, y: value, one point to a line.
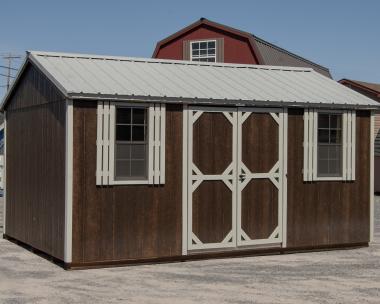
x: 242, y: 177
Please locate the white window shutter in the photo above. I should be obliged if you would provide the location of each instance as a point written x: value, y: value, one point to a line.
x: 308, y: 145
x: 102, y: 143
x: 157, y: 125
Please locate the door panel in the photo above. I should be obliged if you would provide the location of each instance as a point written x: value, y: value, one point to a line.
x: 212, y: 211
x: 260, y: 176
x: 235, y: 173
x: 212, y: 178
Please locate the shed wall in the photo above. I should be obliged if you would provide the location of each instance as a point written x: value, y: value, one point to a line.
x: 331, y: 212
x: 125, y: 222
x: 236, y: 49
x: 35, y: 169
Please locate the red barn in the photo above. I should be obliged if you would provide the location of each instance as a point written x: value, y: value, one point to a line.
x: 208, y: 41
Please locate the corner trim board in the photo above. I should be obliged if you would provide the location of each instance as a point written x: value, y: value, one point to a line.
x: 185, y: 135
x: 5, y: 174
x: 372, y: 177
x: 69, y: 183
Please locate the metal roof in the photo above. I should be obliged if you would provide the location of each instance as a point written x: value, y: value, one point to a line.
x: 124, y: 78
x: 274, y: 55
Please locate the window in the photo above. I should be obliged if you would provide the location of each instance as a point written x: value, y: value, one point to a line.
x: 329, y: 144
x: 204, y: 51
x: 131, y: 145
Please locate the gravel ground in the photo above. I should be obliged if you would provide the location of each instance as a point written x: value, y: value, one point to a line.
x: 344, y: 276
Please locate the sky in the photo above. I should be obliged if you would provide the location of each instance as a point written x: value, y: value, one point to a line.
x: 341, y: 35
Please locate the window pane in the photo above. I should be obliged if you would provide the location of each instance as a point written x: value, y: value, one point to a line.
x: 203, y: 59
x: 203, y: 45
x: 123, y: 115
x: 336, y: 136
x: 123, y: 133
x: 138, y: 116
x: 122, y: 168
x: 138, y: 152
x: 335, y: 152
x: 203, y: 52
x: 323, y: 168
x: 138, y: 133
x: 195, y: 52
x: 323, y: 136
x: 211, y: 44
x: 323, y: 121
x: 138, y: 168
x: 211, y: 52
x: 323, y: 152
x: 336, y: 121
x: 123, y: 151
x: 334, y: 167
x: 211, y: 59
x: 195, y: 45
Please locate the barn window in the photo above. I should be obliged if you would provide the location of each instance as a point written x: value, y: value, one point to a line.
x: 329, y: 145
x: 329, y: 151
x: 203, y: 51
x: 130, y: 144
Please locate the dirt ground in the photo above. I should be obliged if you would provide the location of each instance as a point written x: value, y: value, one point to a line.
x: 344, y: 276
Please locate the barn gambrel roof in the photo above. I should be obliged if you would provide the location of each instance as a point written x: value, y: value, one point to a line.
x: 80, y: 76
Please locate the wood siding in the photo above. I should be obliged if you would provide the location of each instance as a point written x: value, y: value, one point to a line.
x: 125, y: 222
x: 35, y: 173
x: 328, y: 213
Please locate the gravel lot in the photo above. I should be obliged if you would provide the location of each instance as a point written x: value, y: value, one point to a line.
x: 345, y: 276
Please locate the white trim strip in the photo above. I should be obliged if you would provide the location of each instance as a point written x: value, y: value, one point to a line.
x: 353, y: 146
x: 106, y: 142
x: 5, y: 174
x: 99, y: 144
x: 162, y: 143
x: 306, y: 145
x: 156, y: 167
x: 69, y: 183
x: 371, y: 186
x: 285, y: 180
x: 151, y: 144
x: 184, y: 178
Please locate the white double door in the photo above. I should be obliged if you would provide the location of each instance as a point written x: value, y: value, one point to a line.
x: 235, y: 177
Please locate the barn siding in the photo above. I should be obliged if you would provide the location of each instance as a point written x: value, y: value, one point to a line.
x: 125, y: 222
x: 236, y: 48
x: 35, y: 173
x: 328, y: 213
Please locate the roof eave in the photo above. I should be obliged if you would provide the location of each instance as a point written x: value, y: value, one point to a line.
x: 219, y: 102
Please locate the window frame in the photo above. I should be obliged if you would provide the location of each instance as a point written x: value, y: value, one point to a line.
x: 317, y: 177
x: 199, y: 41
x: 112, y: 161
x: 317, y: 145
x: 145, y: 142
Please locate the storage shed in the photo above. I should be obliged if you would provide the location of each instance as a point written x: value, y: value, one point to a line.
x: 114, y: 160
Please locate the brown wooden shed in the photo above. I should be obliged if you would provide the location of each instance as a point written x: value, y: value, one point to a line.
x: 115, y: 160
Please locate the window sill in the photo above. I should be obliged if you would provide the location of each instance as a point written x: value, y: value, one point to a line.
x: 328, y: 178
x: 130, y: 182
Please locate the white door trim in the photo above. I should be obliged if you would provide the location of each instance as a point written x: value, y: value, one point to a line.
x: 190, y: 242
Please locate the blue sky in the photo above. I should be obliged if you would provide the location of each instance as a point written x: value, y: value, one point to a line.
x: 341, y: 35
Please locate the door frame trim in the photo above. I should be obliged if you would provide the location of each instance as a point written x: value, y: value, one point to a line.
x: 185, y: 159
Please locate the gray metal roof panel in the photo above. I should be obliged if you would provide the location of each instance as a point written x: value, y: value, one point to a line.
x: 274, y: 55
x: 117, y: 78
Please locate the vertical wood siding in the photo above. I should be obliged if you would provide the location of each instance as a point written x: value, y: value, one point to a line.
x: 36, y: 164
x: 326, y: 213
x: 125, y: 222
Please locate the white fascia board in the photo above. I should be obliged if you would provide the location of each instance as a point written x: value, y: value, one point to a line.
x: 218, y: 102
